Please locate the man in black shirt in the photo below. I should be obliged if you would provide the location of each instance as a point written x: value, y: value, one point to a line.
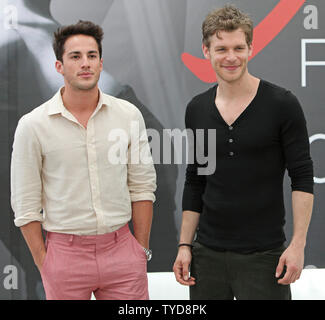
x: 238, y: 210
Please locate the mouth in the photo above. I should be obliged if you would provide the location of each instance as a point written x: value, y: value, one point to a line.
x: 231, y: 68
x: 85, y: 74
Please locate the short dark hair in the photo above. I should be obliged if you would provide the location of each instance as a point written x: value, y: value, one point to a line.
x: 229, y: 18
x: 81, y: 27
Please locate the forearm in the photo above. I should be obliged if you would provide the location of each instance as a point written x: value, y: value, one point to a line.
x: 32, y: 233
x: 302, y: 205
x: 190, y: 222
x: 142, y: 212
x: 293, y: 256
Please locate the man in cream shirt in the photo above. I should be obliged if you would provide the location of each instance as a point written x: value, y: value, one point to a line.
x: 78, y: 172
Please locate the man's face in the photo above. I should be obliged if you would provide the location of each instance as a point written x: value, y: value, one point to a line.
x: 228, y: 54
x: 81, y: 65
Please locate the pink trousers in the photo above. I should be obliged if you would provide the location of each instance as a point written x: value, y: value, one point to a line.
x: 112, y: 266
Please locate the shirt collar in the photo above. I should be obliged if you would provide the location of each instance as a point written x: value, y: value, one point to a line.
x: 56, y: 105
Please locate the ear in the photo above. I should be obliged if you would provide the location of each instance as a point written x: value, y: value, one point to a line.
x: 59, y: 67
x: 206, y: 51
x: 101, y: 64
x: 250, y: 50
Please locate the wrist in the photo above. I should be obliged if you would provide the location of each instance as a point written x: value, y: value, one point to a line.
x: 298, y: 243
x: 142, y: 241
x: 185, y: 246
x: 38, y: 260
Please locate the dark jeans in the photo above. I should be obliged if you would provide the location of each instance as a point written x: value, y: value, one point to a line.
x: 228, y: 275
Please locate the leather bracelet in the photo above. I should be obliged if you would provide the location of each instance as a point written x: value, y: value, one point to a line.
x: 185, y: 244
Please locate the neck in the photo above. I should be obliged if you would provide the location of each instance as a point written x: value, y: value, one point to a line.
x: 243, y: 86
x: 80, y: 101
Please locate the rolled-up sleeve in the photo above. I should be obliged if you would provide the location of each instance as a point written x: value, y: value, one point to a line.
x: 296, y: 148
x: 26, y: 184
x: 141, y: 171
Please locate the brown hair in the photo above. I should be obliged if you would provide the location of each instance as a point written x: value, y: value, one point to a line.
x: 228, y: 18
x: 82, y: 27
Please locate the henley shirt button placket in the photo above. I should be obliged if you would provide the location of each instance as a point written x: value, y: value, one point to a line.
x: 230, y: 140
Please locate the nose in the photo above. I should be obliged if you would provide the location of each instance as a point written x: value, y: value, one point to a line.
x: 85, y: 62
x: 231, y: 55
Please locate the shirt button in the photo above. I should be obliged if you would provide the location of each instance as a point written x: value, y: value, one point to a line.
x: 231, y: 140
x: 230, y: 127
x: 231, y: 153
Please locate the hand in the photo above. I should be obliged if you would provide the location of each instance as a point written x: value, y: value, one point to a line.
x: 181, y: 267
x: 293, y: 259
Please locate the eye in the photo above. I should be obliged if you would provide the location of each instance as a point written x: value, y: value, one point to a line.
x: 220, y: 49
x: 75, y: 57
x: 93, y: 56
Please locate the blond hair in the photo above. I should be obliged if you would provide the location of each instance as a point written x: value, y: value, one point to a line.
x: 228, y: 18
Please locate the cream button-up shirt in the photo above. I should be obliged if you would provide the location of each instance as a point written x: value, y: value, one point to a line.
x: 76, y: 180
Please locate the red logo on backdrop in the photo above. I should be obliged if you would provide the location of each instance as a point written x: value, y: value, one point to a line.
x: 263, y: 34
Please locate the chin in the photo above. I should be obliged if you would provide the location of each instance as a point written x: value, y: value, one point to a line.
x: 83, y: 86
x: 230, y: 78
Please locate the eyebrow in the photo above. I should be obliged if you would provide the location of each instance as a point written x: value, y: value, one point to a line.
x: 78, y: 52
x: 224, y: 46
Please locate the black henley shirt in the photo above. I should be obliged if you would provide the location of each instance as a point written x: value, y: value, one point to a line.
x: 241, y: 203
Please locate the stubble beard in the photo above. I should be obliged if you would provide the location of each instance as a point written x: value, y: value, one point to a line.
x: 79, y: 85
